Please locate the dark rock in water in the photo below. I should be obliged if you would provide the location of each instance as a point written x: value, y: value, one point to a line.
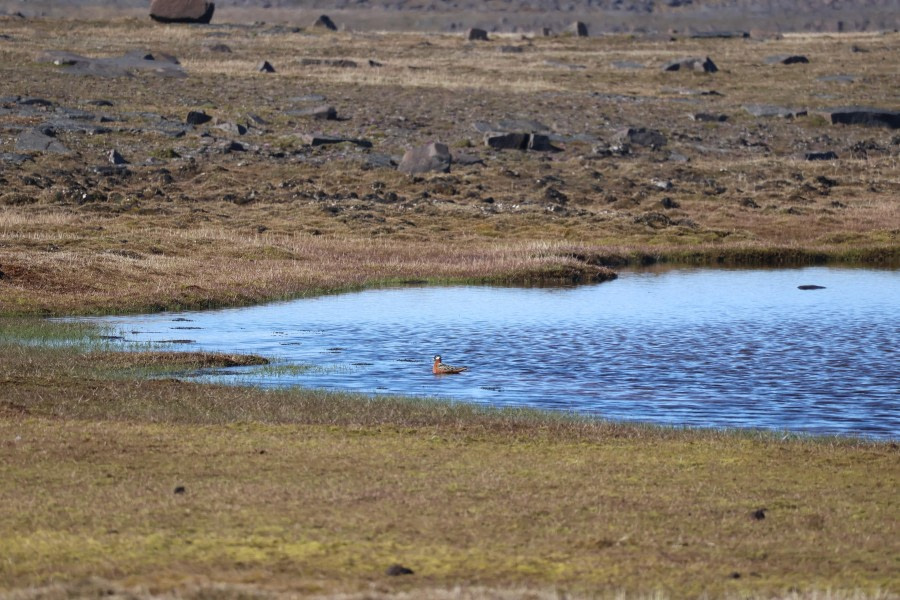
x: 197, y: 117
x: 40, y: 139
x: 477, y: 35
x: 116, y: 158
x: 786, y: 59
x: 430, y: 158
x: 709, y: 118
x: 265, y: 67
x: 720, y: 35
x: 649, y: 138
x: 323, y: 113
x: 830, y: 155
x: 578, y: 29
x: 872, y: 117
x: 325, y: 22
x: 810, y: 287
x: 766, y: 110
x: 312, y: 139
x: 182, y: 11
x: 699, y: 65
x: 397, y: 569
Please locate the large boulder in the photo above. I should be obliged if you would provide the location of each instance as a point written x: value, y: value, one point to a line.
x: 477, y: 35
x: 578, y: 29
x: 325, y: 22
x: 40, y: 139
x: 433, y: 157
x: 857, y: 115
x: 641, y: 136
x: 182, y: 11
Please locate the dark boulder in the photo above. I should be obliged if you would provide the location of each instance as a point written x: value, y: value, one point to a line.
x: 322, y: 112
x: 398, y: 569
x: 115, y: 158
x: 430, y: 158
x: 197, y: 117
x: 325, y: 22
x: 829, y: 155
x: 872, y: 117
x: 507, y: 141
x: 265, y: 67
x: 787, y: 59
x: 182, y: 11
x: 477, y: 35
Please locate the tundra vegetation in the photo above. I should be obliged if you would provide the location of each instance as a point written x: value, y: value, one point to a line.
x: 122, y: 477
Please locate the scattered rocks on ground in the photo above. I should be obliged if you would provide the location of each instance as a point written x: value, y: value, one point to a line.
x: 182, y: 11
x: 641, y: 136
x: 430, y: 158
x: 477, y: 35
x: 265, y: 67
x: 698, y: 65
x: 578, y: 29
x: 767, y: 110
x: 127, y: 65
x: 786, y: 59
x: 858, y: 115
x: 325, y: 22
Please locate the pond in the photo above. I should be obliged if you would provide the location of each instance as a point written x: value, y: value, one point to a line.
x: 707, y: 348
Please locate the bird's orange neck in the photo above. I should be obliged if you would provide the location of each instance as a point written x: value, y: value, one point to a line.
x: 437, y: 363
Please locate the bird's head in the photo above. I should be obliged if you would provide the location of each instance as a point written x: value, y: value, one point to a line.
x: 437, y: 357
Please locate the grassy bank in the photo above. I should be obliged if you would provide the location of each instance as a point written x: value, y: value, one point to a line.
x: 164, y: 486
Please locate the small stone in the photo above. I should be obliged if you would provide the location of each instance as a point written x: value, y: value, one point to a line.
x: 180, y: 489
x: 325, y: 22
x: 265, y: 67
x: 433, y: 157
x: 477, y: 35
x: 578, y: 29
x: 759, y: 514
x: 829, y: 155
x: 116, y: 158
x: 398, y: 569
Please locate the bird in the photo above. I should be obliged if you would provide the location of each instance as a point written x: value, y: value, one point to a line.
x: 440, y: 368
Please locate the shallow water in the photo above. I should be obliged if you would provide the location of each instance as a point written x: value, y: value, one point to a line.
x: 709, y: 348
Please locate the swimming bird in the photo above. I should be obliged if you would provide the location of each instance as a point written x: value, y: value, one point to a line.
x: 440, y: 368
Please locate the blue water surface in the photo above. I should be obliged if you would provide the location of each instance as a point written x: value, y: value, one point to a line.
x: 709, y: 348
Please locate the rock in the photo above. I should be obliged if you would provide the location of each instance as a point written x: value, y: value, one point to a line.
x: 375, y: 64
x: 545, y: 32
x: 709, y: 118
x: 197, y: 117
x: 721, y: 35
x: 627, y: 65
x: 220, y: 48
x: 512, y: 49
x: 114, y: 66
x: 699, y: 65
x: 339, y: 62
x: 182, y: 11
x: 14, y: 158
x: 641, y: 136
x: 540, y: 143
x: 810, y: 287
x: 116, y: 159
x: 314, y: 139
x: 766, y: 110
x: 837, y: 78
x: 232, y: 128
x: 830, y: 155
x: 322, y: 113
x: 40, y: 139
x: 786, y: 59
x: 507, y: 141
x: 430, y: 158
x: 180, y: 489
x: 325, y: 22
x: 229, y: 146
x: 265, y: 67
x: 857, y: 115
x: 99, y: 103
x: 668, y: 203
x: 398, y: 569
x: 578, y: 29
x: 529, y: 125
x: 759, y: 514
x: 477, y: 35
